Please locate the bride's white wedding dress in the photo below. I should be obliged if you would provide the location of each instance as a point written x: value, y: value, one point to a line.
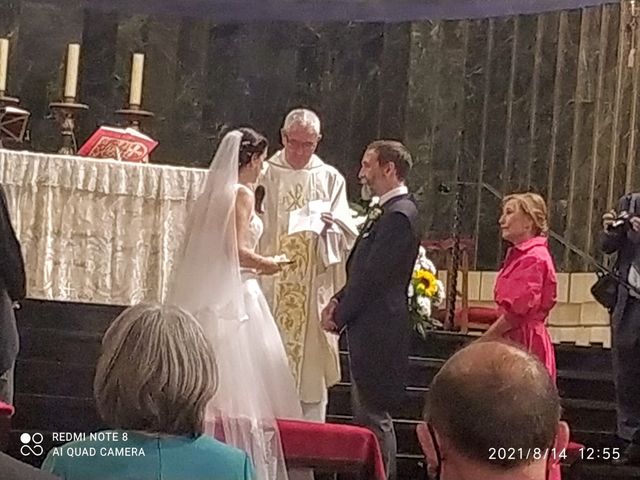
x: 255, y: 384
x: 264, y: 347
x: 267, y: 385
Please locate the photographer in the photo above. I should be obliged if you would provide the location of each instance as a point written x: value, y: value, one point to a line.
x: 621, y: 235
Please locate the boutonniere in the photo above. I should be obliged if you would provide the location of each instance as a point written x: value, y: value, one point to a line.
x: 374, y: 212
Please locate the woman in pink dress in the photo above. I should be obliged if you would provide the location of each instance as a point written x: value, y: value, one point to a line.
x: 526, y: 286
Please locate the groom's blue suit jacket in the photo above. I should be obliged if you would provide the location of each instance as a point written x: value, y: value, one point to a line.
x: 373, y: 306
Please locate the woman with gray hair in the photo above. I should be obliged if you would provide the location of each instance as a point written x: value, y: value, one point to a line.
x: 154, y: 379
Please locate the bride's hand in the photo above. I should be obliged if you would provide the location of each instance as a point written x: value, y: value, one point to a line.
x: 270, y: 267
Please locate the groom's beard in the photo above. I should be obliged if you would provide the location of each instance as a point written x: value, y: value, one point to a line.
x: 365, y: 192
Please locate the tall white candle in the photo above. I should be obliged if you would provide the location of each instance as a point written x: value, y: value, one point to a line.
x: 71, y: 80
x: 137, y: 69
x: 4, y: 61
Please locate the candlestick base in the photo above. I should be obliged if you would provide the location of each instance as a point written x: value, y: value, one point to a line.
x: 8, y: 101
x: 135, y: 115
x: 65, y: 113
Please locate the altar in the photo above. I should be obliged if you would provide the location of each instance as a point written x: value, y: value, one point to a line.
x: 108, y: 232
x: 97, y: 231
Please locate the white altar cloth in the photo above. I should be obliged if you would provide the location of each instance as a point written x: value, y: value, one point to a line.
x: 97, y: 231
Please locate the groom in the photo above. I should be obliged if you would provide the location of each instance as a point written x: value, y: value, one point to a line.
x: 373, y: 305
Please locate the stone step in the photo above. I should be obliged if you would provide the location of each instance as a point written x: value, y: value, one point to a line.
x: 62, y: 348
x: 581, y: 414
x: 80, y: 318
x: 37, y: 377
x: 568, y: 356
x: 588, y: 385
x: 51, y: 377
x: 589, y: 415
x: 55, y: 414
x: 59, y: 345
x: 69, y: 316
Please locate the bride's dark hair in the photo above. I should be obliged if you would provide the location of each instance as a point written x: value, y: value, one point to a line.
x: 252, y: 142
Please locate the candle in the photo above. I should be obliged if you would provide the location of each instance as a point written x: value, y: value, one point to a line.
x: 71, y: 80
x: 137, y: 69
x: 4, y: 60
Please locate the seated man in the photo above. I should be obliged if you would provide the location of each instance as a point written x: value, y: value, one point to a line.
x: 493, y: 413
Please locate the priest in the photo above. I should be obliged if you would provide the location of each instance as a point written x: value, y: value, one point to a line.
x: 307, y: 218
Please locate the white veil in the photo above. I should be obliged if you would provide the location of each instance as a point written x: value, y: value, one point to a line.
x: 207, y: 282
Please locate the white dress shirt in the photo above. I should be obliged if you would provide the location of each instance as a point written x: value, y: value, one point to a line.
x: 396, y: 192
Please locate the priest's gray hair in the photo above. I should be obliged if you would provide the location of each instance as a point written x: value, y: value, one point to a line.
x: 156, y: 373
x: 304, y: 117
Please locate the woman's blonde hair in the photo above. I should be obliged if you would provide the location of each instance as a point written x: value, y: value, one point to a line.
x: 156, y: 373
x: 534, y: 206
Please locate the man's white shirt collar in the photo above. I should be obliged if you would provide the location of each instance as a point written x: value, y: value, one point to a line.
x: 396, y: 192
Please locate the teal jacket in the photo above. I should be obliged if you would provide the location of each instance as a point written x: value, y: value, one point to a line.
x: 122, y: 455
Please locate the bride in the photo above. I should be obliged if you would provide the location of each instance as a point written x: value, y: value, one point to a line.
x: 216, y: 279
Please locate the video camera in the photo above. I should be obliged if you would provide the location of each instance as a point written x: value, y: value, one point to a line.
x: 621, y: 223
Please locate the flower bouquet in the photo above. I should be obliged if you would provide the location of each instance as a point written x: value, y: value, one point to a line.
x: 425, y: 292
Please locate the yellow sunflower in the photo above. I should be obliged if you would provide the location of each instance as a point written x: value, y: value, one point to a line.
x: 427, y: 281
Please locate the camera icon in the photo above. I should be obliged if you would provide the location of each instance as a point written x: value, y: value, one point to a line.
x: 31, y: 444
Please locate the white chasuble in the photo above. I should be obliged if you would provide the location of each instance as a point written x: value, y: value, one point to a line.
x: 298, y: 294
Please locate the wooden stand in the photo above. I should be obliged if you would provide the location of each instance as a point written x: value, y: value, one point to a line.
x: 444, y: 252
x: 6, y: 101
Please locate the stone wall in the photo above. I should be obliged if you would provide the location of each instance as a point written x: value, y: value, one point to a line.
x: 547, y: 102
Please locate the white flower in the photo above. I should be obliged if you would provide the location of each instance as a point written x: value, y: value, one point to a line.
x: 428, y: 265
x: 411, y: 292
x: 423, y: 262
x: 374, y: 214
x: 424, y: 306
x: 374, y: 201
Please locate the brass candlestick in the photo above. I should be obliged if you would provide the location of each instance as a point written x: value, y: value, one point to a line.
x: 65, y: 113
